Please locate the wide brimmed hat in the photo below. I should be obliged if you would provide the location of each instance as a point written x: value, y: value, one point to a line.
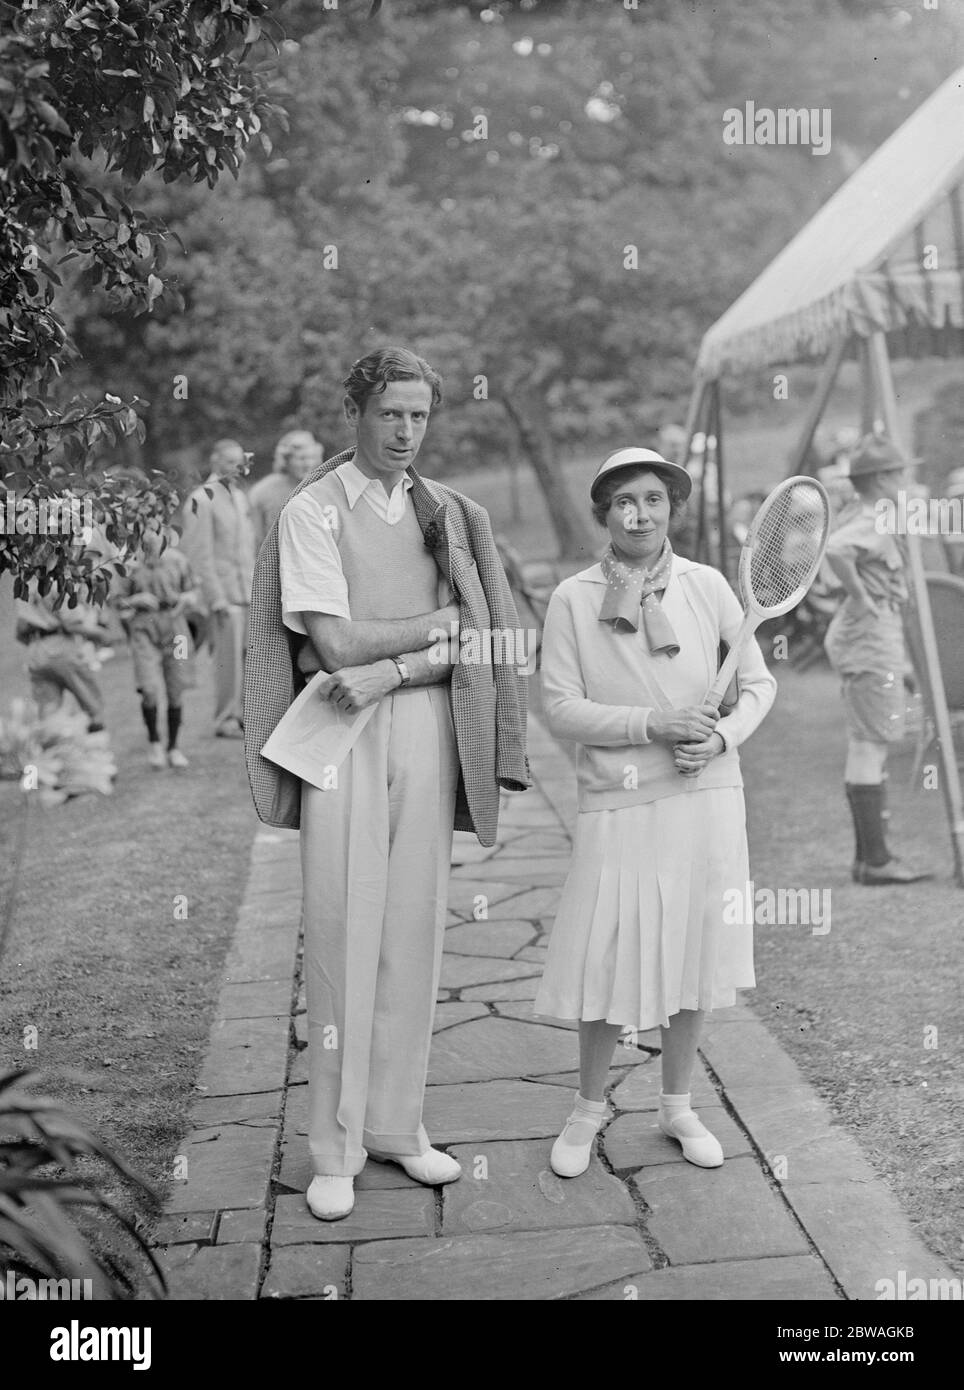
x: 640, y: 458
x: 874, y: 455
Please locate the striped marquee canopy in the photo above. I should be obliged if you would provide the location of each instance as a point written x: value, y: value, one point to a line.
x: 885, y: 253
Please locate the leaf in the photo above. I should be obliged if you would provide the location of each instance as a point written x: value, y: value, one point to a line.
x: 155, y: 286
x: 148, y: 107
x: 51, y: 117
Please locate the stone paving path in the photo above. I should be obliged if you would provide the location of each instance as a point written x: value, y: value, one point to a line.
x: 794, y: 1213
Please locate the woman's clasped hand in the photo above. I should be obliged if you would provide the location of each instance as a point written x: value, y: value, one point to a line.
x: 691, y: 732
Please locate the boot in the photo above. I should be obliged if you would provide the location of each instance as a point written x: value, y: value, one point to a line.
x: 877, y: 865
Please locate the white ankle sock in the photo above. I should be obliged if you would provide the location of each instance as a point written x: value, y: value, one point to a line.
x: 586, y: 1117
x: 678, y: 1112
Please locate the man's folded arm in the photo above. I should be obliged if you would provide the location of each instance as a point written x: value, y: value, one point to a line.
x: 341, y: 642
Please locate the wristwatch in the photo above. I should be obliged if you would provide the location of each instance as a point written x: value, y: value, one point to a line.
x: 403, y: 670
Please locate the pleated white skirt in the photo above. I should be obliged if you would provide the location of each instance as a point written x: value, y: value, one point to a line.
x: 643, y: 929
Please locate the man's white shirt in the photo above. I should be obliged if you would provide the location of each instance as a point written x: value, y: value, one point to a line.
x: 312, y: 577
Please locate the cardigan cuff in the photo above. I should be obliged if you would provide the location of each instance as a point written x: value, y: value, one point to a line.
x: 638, y: 725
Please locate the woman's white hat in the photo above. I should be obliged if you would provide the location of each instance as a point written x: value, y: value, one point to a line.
x: 641, y: 458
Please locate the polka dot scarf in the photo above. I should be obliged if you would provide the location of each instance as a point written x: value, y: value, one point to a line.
x: 631, y: 592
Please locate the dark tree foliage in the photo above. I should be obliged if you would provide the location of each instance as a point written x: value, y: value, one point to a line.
x: 141, y: 86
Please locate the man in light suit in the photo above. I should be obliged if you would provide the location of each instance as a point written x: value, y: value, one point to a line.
x: 218, y: 540
x: 366, y: 565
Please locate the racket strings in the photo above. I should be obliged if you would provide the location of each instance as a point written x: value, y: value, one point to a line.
x: 788, y: 544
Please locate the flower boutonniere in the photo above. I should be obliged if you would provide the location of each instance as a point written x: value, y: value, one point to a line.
x: 436, y: 536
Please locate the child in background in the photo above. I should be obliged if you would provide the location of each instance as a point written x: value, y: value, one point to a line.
x: 153, y: 602
x: 865, y: 644
x: 63, y: 654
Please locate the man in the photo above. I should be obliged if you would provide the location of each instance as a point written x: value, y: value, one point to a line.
x: 865, y: 644
x: 366, y: 566
x: 294, y: 454
x: 219, y: 543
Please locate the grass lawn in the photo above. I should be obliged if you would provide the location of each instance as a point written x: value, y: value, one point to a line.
x: 853, y: 1008
x: 121, y: 993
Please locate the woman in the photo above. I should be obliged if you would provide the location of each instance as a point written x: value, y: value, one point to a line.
x: 630, y: 648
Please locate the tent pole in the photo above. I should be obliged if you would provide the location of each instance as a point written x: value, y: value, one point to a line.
x: 867, y: 407
x: 720, y: 473
x: 692, y: 416
x: 933, y: 679
x: 818, y: 405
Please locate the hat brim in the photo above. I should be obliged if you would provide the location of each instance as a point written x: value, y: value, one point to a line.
x: 663, y: 469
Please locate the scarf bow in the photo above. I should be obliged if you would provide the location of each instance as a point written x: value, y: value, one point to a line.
x: 631, y: 592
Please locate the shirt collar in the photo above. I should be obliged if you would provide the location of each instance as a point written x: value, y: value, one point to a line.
x: 355, y: 482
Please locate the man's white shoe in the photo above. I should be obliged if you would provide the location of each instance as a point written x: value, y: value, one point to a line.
x: 156, y: 756
x: 177, y: 759
x: 331, y: 1198
x: 432, y: 1167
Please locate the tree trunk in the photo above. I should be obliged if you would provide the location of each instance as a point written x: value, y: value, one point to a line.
x: 570, y: 520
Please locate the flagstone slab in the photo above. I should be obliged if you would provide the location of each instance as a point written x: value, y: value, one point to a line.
x: 227, y: 1166
x: 261, y: 955
x: 489, y: 938
x: 491, y: 1048
x: 528, y: 874
x: 701, y: 1214
x: 536, y: 952
x: 446, y: 1015
x: 245, y: 1055
x: 459, y: 971
x: 462, y: 896
x: 517, y: 1265
x: 240, y: 1226
x: 522, y: 1009
x: 640, y: 1089
x: 263, y: 1107
x: 541, y: 818
x: 256, y: 999
x: 635, y: 1140
x: 537, y: 843
x: 740, y: 1012
x: 785, y: 1278
x: 486, y: 1110
x: 510, y: 1187
x: 307, y: 1271
x: 270, y: 913
x: 746, y: 1055
x: 185, y: 1228
x: 466, y: 849
x: 538, y: 904
x: 378, y: 1213
x: 298, y: 1072
x: 862, y: 1234
x: 212, y: 1273
x: 295, y: 1171
x: 801, y: 1138
x: 509, y: 989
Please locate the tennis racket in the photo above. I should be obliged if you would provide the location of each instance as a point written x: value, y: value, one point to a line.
x: 778, y: 563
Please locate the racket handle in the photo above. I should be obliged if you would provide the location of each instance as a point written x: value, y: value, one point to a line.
x: 717, y: 690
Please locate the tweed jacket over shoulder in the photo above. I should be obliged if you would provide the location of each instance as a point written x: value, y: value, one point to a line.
x: 488, y: 699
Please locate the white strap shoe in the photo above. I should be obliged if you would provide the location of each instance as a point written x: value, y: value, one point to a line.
x: 331, y: 1198
x: 572, y: 1151
x: 703, y: 1149
x: 433, y: 1168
